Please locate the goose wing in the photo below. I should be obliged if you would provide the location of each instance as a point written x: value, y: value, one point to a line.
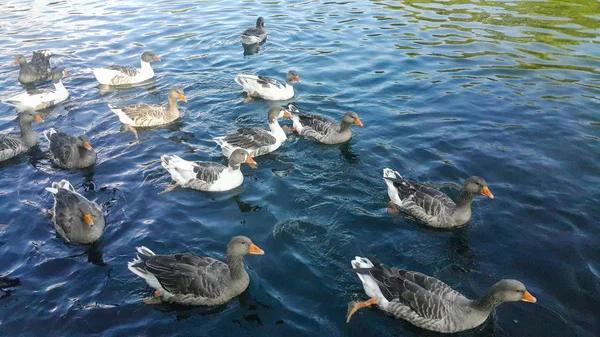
x: 317, y: 126
x: 142, y: 114
x: 250, y: 138
x: 189, y: 274
x: 125, y: 70
x: 208, y: 171
x: 63, y: 147
x: 429, y: 199
x: 40, y: 63
x: 253, y: 32
x: 11, y: 146
x: 425, y: 295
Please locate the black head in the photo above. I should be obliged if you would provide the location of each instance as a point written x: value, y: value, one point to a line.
x: 27, y: 117
x: 511, y: 291
x: 177, y: 93
x: 476, y: 185
x: 240, y: 156
x: 241, y: 245
x: 260, y: 22
x: 149, y: 56
x: 84, y: 142
x: 351, y: 118
x: 276, y: 113
x: 58, y: 74
x: 20, y: 60
x: 292, y: 76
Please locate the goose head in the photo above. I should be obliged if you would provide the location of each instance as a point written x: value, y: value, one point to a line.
x: 149, y: 56
x: 351, y: 118
x: 476, y: 185
x: 292, y: 76
x: 241, y: 245
x: 276, y: 113
x: 240, y: 156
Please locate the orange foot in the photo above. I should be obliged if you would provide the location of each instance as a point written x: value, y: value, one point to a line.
x: 355, y: 306
x: 157, y: 293
x: 392, y: 209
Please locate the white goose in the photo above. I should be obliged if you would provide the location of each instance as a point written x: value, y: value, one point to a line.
x: 42, y: 98
x: 256, y: 141
x: 207, y: 176
x: 268, y: 88
x: 120, y: 75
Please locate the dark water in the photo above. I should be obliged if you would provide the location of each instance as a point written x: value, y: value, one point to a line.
x: 509, y: 91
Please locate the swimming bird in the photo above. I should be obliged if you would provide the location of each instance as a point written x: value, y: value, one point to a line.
x: 148, y: 115
x: 42, y: 98
x: 122, y: 75
x: 12, y: 146
x: 256, y: 34
x: 190, y: 279
x: 207, y: 176
x: 256, y: 141
x: 427, y: 302
x: 323, y: 129
x: 431, y: 206
x: 70, y: 152
x: 75, y: 218
x: 268, y: 88
x: 37, y: 70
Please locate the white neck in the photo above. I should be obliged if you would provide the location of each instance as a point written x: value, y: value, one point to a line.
x: 60, y: 87
x: 277, y: 131
x: 146, y: 68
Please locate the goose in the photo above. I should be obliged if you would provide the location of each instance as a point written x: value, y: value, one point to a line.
x: 207, y: 176
x: 70, y: 152
x: 123, y: 75
x: 190, y: 279
x: 42, y: 98
x: 148, y: 115
x: 256, y: 141
x: 427, y: 302
x: 431, y: 206
x: 12, y: 146
x: 267, y: 88
x: 323, y: 129
x: 255, y: 35
x: 75, y: 218
x: 37, y: 70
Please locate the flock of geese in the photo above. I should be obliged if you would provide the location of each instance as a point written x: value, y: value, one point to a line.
x: 193, y: 280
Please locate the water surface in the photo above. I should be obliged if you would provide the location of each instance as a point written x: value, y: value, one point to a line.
x: 509, y: 91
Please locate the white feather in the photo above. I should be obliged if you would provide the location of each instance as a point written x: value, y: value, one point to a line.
x: 122, y: 116
x: 369, y: 284
x: 49, y: 133
x: 392, y: 191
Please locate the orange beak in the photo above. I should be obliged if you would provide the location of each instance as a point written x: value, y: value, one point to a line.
x: 486, y: 191
x: 156, y: 58
x: 88, y: 219
x: 358, y: 122
x: 527, y: 297
x: 39, y: 119
x: 297, y: 79
x: 16, y: 62
x: 87, y: 146
x: 251, y: 162
x: 287, y: 114
x: 253, y: 249
x: 181, y: 97
x: 66, y: 73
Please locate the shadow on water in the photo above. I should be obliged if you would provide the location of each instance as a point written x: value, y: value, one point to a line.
x: 6, y: 283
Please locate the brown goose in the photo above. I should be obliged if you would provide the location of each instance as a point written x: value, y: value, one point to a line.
x: 431, y: 206
x: 323, y: 129
x: 195, y: 280
x: 148, y: 115
x: 426, y: 301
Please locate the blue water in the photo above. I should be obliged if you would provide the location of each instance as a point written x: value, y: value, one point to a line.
x: 509, y: 91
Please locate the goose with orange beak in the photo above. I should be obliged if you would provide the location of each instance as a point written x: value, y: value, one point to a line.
x: 190, y: 279
x: 70, y: 152
x: 75, y: 218
x: 426, y: 301
x: 150, y: 115
x: 323, y: 129
x: 207, y: 176
x: 266, y: 87
x: 12, y: 145
x: 256, y: 141
x: 431, y: 206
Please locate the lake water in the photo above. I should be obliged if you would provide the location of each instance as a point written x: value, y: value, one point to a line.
x: 509, y: 91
